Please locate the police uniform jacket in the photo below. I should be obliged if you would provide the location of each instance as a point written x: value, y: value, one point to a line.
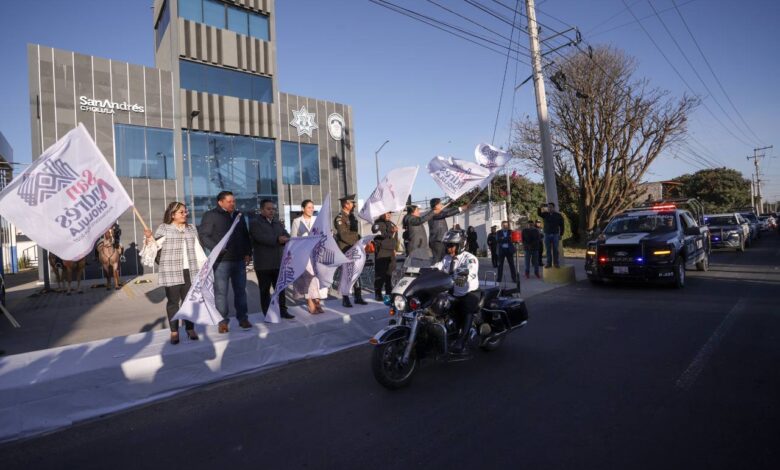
x: 385, y: 240
x: 347, y: 233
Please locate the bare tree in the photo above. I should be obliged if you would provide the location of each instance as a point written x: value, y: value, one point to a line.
x: 607, y: 129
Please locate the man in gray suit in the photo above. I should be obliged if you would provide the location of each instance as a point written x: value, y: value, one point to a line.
x: 418, y: 239
x: 437, y: 226
x: 268, y: 240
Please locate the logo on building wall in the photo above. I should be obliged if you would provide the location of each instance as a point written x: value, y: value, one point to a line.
x: 107, y: 106
x: 304, y: 121
x: 336, y: 126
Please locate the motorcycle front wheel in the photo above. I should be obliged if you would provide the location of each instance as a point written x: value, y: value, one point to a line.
x: 388, y: 366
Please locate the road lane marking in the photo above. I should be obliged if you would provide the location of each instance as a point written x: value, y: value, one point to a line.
x: 688, y: 378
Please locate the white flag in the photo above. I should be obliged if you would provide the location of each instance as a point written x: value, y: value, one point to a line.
x: 491, y: 157
x: 457, y: 177
x: 68, y: 198
x: 350, y: 272
x: 199, y: 305
x: 295, y: 260
x: 327, y: 256
x: 390, y: 195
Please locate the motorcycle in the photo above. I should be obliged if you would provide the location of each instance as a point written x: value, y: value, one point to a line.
x: 422, y: 328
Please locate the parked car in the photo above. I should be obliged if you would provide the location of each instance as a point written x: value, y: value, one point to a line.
x: 766, y: 225
x: 755, y: 225
x: 728, y: 230
x: 656, y: 243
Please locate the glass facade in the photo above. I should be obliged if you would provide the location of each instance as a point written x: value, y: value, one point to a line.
x: 144, y: 152
x: 220, y: 15
x: 226, y: 82
x: 162, y: 24
x: 244, y: 165
x: 300, y: 163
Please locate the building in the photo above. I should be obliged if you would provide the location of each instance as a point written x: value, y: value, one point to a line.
x: 208, y: 117
x: 8, y: 254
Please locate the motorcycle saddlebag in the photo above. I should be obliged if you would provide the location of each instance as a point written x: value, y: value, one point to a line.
x: 515, y: 309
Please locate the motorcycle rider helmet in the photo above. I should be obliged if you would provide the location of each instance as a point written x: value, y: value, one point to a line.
x: 457, y: 238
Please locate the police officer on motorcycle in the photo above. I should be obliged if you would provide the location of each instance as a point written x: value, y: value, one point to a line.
x: 464, y: 269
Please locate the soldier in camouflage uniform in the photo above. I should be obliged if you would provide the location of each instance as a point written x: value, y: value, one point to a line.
x: 347, y: 234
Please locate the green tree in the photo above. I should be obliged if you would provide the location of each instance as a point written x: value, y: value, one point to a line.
x: 718, y: 189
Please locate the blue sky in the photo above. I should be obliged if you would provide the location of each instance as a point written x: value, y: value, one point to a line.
x: 431, y: 93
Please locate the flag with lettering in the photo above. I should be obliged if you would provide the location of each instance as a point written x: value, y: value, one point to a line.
x: 68, y: 198
x: 390, y: 195
x: 457, y: 177
x: 350, y: 272
x: 295, y: 260
x: 326, y: 256
x: 199, y: 306
x: 490, y: 157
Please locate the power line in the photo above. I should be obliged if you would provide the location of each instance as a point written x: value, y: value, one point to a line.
x: 503, y: 80
x: 510, y: 40
x: 717, y: 80
x: 677, y: 72
x: 696, y: 72
x: 442, y: 26
x: 636, y: 20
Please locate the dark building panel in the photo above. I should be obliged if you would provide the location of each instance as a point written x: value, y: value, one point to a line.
x: 64, y: 91
x: 136, y: 94
x: 118, y: 89
x: 83, y: 66
x: 104, y: 123
x: 46, y: 56
x: 153, y: 102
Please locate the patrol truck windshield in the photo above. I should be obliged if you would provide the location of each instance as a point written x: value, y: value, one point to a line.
x: 647, y: 223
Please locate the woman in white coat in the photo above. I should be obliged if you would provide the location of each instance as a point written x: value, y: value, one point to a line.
x: 308, y: 285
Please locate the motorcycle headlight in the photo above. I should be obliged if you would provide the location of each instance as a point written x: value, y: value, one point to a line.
x: 400, y: 303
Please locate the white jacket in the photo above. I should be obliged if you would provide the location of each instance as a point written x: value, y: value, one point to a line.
x: 465, y: 273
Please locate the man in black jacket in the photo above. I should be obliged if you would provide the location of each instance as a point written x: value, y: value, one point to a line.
x: 491, y: 242
x: 553, y: 231
x: 531, y: 240
x: 231, y: 263
x: 506, y: 251
x: 268, y: 240
x: 384, y: 257
x: 437, y: 226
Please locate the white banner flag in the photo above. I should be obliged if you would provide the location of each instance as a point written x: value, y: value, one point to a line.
x: 350, y: 272
x: 491, y: 157
x: 295, y: 260
x: 327, y: 256
x: 68, y: 198
x: 199, y: 305
x: 457, y: 177
x: 390, y: 195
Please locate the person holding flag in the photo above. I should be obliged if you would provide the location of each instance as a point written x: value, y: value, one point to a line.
x: 384, y: 257
x: 437, y: 226
x: 268, y: 239
x: 347, y: 235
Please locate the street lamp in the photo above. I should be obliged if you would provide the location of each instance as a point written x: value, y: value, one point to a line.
x: 376, y: 159
x: 193, y: 115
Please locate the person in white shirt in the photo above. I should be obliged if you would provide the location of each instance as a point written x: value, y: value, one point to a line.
x: 308, y: 284
x: 464, y: 269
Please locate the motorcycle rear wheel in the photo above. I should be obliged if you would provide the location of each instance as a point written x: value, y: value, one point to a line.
x: 386, y: 363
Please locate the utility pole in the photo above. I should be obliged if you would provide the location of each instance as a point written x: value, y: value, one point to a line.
x: 541, y: 107
x: 757, y: 206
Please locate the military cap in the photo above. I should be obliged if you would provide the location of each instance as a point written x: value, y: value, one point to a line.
x: 348, y: 197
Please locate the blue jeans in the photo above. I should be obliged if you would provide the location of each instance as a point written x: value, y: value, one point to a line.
x: 531, y: 258
x: 551, y: 245
x: 235, y: 273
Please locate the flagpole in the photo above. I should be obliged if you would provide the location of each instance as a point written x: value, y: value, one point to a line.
x: 140, y: 219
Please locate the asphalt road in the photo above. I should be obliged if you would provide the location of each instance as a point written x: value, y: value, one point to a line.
x: 602, y: 377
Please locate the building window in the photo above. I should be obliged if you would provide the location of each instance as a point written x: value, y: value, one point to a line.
x: 227, y: 82
x: 300, y: 163
x: 162, y: 24
x: 144, y: 152
x: 220, y: 15
x: 244, y: 165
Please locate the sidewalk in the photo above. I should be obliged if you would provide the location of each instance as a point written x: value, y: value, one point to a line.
x: 43, y: 390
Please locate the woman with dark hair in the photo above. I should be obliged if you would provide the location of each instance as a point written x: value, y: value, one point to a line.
x: 178, y: 262
x: 308, y: 285
x: 471, y: 237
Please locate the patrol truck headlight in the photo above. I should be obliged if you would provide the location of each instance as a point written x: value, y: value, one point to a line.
x: 662, y: 252
x: 591, y: 252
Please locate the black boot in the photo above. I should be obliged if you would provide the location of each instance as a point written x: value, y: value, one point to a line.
x: 345, y: 301
x: 378, y: 297
x: 461, y: 345
x: 359, y: 296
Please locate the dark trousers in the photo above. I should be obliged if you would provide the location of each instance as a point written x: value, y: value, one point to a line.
x: 266, y: 278
x: 233, y: 273
x: 383, y: 274
x: 510, y: 258
x: 438, y: 250
x: 175, y: 295
x: 465, y: 306
x: 493, y: 258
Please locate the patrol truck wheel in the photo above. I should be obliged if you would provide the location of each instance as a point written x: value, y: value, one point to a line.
x: 679, y: 273
x: 704, y: 264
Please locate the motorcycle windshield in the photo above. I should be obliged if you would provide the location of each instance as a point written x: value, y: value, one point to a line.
x: 429, y: 283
